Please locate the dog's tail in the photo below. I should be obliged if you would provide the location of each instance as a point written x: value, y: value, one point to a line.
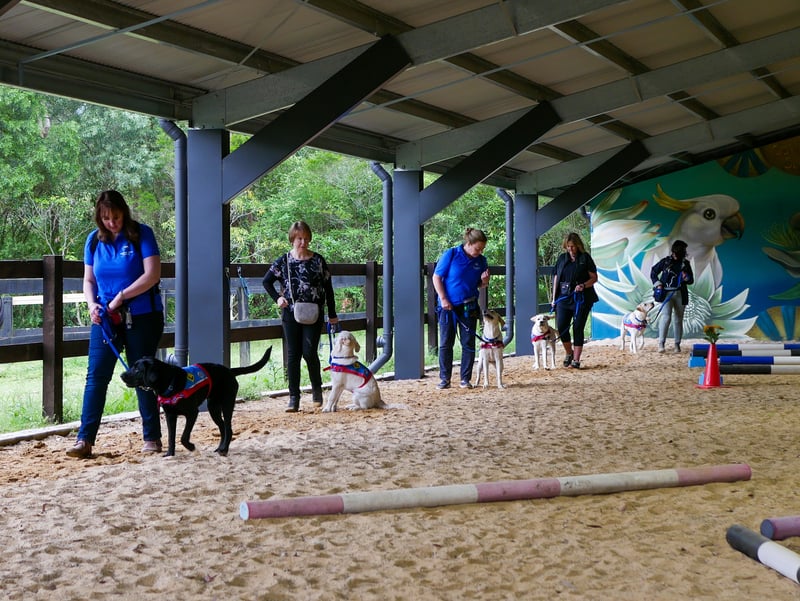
x: 238, y: 371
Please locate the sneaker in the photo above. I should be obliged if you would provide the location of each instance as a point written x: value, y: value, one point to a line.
x: 465, y: 384
x: 151, y: 446
x: 81, y: 450
x: 567, y: 360
x: 575, y: 365
x: 677, y: 349
x: 443, y: 385
x: 660, y: 348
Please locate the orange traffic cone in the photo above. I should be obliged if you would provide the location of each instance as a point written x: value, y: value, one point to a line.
x: 711, y: 377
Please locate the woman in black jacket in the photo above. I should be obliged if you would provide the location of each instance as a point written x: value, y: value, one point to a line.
x: 573, y: 296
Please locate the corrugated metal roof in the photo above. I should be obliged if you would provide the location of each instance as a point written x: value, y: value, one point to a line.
x: 651, y: 70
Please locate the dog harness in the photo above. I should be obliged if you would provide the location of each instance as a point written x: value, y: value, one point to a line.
x: 639, y: 325
x: 539, y: 337
x: 197, y: 378
x: 357, y: 368
x: 494, y: 343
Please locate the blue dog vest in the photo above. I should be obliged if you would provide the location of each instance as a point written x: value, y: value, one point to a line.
x: 196, y: 379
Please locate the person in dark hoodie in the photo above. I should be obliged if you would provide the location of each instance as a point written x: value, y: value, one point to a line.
x: 672, y: 274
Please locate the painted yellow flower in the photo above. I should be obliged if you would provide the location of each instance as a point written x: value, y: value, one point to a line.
x: 711, y: 333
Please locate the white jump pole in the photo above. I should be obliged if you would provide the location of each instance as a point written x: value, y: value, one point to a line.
x: 763, y: 550
x: 509, y: 490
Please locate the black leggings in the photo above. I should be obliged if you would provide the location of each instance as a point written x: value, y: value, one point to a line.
x: 302, y: 342
x: 565, y: 312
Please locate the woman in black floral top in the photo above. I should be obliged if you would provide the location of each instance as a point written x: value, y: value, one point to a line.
x: 303, y: 276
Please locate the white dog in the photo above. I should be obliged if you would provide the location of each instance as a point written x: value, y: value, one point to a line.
x: 491, y: 348
x: 543, y: 338
x: 348, y: 374
x: 635, y: 323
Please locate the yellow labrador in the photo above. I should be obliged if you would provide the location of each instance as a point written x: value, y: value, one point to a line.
x: 491, y: 348
x: 634, y: 324
x: 348, y: 374
x: 543, y: 338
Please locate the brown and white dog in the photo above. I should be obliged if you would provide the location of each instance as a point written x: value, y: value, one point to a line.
x: 348, y: 374
x: 634, y: 324
x: 491, y: 348
x: 543, y: 338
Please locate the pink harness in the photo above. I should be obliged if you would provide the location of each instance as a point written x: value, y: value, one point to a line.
x: 539, y: 337
x: 635, y: 326
x: 493, y: 344
x: 357, y: 368
x: 197, y: 378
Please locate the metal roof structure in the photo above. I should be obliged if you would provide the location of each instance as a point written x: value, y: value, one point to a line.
x: 689, y: 79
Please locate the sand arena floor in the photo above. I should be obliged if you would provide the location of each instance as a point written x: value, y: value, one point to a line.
x: 126, y: 526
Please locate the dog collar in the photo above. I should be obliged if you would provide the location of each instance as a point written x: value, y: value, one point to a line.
x: 196, y: 378
x: 538, y: 337
x: 357, y: 368
x: 494, y: 343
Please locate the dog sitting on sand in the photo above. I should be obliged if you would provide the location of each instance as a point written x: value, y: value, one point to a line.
x: 348, y: 374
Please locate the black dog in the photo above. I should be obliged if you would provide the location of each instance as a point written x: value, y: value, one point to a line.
x: 181, y: 391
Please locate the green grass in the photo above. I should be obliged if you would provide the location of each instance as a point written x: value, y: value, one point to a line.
x: 21, y: 396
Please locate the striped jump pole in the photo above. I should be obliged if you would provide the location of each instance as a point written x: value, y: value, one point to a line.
x: 753, y: 360
x: 749, y: 346
x: 751, y: 353
x: 756, y: 369
x: 509, y: 490
x: 763, y: 550
x: 781, y: 528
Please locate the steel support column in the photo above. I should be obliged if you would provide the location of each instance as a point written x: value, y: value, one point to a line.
x: 409, y: 308
x: 209, y: 248
x: 526, y: 275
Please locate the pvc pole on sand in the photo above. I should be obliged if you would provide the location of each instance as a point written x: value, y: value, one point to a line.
x: 763, y: 550
x: 510, y: 490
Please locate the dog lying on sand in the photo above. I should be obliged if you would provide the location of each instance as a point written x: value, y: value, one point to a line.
x: 181, y: 391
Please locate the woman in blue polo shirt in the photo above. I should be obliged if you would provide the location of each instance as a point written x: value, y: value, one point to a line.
x: 122, y: 269
x: 459, y: 272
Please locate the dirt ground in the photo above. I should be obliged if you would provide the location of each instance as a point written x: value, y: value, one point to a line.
x: 123, y: 525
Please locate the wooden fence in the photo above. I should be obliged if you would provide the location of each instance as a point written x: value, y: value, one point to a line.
x: 58, y: 282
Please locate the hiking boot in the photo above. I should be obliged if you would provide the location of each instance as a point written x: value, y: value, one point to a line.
x: 81, y: 450
x: 151, y: 446
x: 294, y: 404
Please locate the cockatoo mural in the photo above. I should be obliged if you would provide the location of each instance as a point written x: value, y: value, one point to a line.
x: 705, y: 223
x: 625, y: 249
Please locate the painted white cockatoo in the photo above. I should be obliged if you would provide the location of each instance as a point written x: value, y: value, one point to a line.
x: 705, y: 223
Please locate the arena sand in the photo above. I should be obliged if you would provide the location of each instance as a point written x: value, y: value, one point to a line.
x: 126, y: 526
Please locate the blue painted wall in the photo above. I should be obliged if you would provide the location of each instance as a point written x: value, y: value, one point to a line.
x: 752, y: 288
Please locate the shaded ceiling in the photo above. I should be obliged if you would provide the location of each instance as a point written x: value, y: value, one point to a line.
x: 692, y: 80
